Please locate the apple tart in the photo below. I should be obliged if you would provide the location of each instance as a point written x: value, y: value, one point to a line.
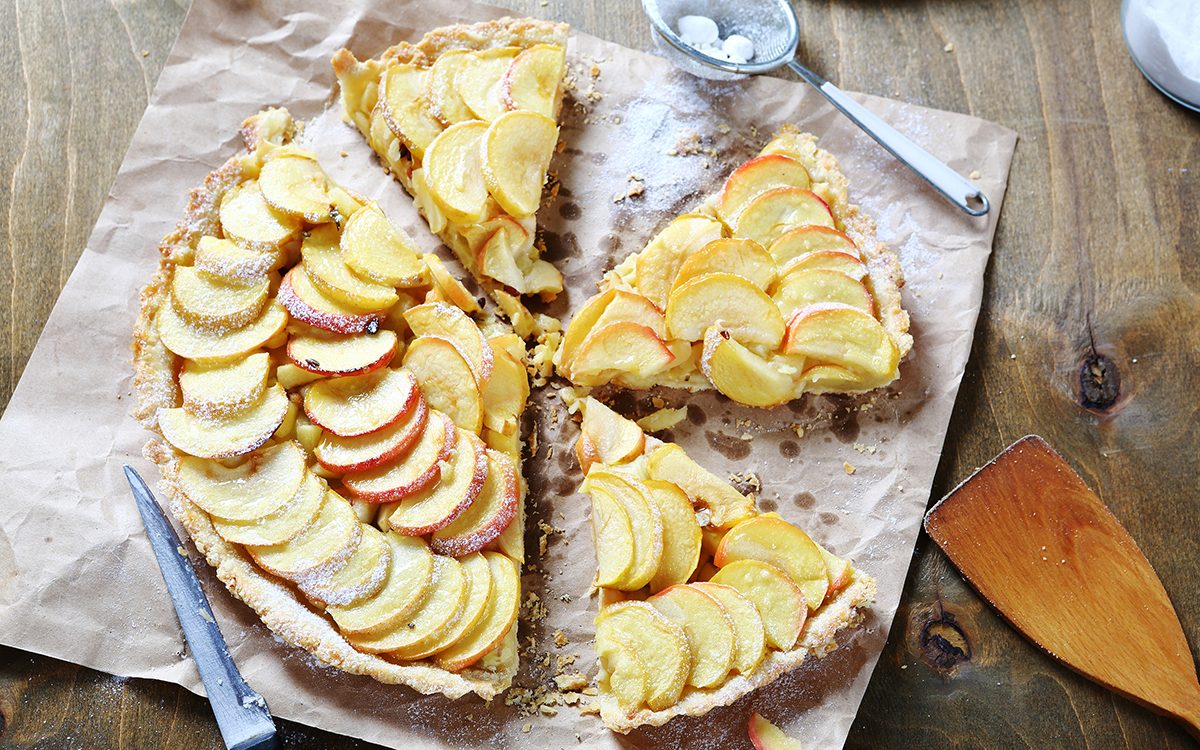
x: 465, y: 119
x: 339, y: 437
x: 702, y: 598
x: 773, y: 287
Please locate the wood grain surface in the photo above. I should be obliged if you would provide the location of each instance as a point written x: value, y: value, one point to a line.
x: 1089, y: 333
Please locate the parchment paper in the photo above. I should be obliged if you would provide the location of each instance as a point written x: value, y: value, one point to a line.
x: 78, y: 580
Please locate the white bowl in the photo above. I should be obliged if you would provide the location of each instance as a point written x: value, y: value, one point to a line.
x: 1155, y: 30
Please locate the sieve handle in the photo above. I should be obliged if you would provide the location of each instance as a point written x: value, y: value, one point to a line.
x: 956, y: 188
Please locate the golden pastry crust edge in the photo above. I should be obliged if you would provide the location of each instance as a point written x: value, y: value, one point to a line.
x: 818, y: 638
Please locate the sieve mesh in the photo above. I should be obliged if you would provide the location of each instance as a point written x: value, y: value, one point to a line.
x: 770, y: 24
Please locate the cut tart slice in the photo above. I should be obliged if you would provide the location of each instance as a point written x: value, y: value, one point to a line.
x: 773, y: 287
x: 465, y: 120
x: 733, y: 598
x: 340, y: 438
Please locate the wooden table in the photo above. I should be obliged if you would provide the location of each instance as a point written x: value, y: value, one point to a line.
x: 1089, y: 333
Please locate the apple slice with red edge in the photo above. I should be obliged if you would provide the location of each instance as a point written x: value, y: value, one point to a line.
x: 741, y: 374
x: 446, y: 380
x: 503, y: 605
x: 328, y: 272
x: 709, y: 632
x: 532, y: 79
x: 735, y: 255
x: 796, y: 243
x: 732, y: 302
x: 842, y: 335
x: 356, y: 454
x: 616, y: 348
x: 582, y: 325
x: 440, y: 503
x: 339, y: 355
x: 633, y: 308
x: 828, y: 260
x: 780, y: 210
x: 780, y: 602
x: 754, y: 178
x: 361, y: 404
x: 488, y: 515
x: 802, y: 288
x: 772, y: 540
x: 410, y: 472
x: 403, y: 106
x: 750, y: 644
x: 225, y: 437
x: 310, y: 305
x: 766, y: 736
x: 479, y: 79
x: 517, y: 150
x: 454, y: 325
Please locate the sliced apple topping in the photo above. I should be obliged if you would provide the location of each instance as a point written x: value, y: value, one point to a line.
x: 781, y: 210
x: 658, y: 264
x: 516, y: 153
x: 503, y: 604
x: 802, y: 288
x: 607, y: 437
x: 452, y: 324
x: 310, y: 305
x: 780, y: 602
x: 756, y: 177
x: 726, y: 300
x: 478, y: 574
x: 766, y: 736
x: 446, y: 380
x: 293, y: 182
x: 403, y: 106
x: 256, y: 487
x: 582, y: 325
x: 277, y: 527
x: 441, y: 607
x: 410, y: 472
x: 842, y: 335
x: 708, y: 628
x: 247, y: 219
x: 619, y: 347
x: 507, y: 390
x: 454, y: 171
x: 222, y: 389
x: 240, y: 433
x: 362, y: 576
x: 741, y: 374
x: 488, y: 515
x: 319, y: 550
x: 645, y: 523
x: 749, y: 637
x: 633, y: 308
x: 660, y: 643
x: 374, y: 249
x: 796, y: 243
x: 726, y: 505
x: 772, y: 540
x: 827, y: 260
x: 448, y: 287
x: 361, y: 404
x: 532, y: 79
x: 440, y: 503
x: 623, y: 672
x: 681, y: 535
x: 446, y: 103
x: 479, y: 80
x: 339, y: 354
x: 409, y: 579
x: 205, y: 345
x: 745, y: 258
x: 228, y: 260
x: 356, y: 454
x: 612, y: 538
x: 328, y: 272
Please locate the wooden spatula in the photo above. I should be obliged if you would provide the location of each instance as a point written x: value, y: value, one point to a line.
x: 1045, y: 551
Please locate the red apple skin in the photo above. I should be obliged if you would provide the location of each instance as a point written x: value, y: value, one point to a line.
x: 382, y: 361
x: 332, y: 322
x: 420, y: 481
x: 490, y: 527
x: 417, y: 421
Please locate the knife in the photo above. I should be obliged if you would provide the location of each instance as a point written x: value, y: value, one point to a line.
x: 242, y: 714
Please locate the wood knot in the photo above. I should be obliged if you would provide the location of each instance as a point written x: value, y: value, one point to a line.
x: 1099, y: 383
x: 944, y: 644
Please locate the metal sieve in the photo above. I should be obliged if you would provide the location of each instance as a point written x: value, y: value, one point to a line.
x: 772, y: 26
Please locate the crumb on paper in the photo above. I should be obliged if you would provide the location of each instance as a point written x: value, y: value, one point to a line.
x: 849, y: 469
x: 724, y: 127
x: 975, y: 175
x: 663, y: 419
x: 799, y: 430
x: 571, y: 681
x: 687, y: 142
x: 750, y: 479
x: 747, y: 436
x: 526, y: 727
x: 864, y: 448
x: 949, y: 47
x: 560, y: 639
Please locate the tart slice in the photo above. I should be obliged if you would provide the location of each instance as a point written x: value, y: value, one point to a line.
x: 702, y: 597
x: 465, y: 119
x: 773, y: 287
x: 340, y: 438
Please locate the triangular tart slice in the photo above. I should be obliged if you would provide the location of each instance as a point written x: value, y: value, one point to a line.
x: 702, y: 597
x: 338, y: 435
x: 465, y: 119
x: 770, y: 288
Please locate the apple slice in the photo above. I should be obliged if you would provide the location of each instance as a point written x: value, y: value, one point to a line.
x: 448, y: 287
x: 410, y: 472
x: 356, y: 454
x: 607, y: 437
x: 293, y: 182
x: 215, y: 304
x: 310, y: 305
x: 658, y: 263
x: 478, y: 80
x: 708, y: 628
x: 475, y: 605
x: 362, y: 577
x: 780, y: 210
x: 622, y: 672
x: 296, y: 515
x: 779, y: 601
x: 443, y: 605
x: 454, y: 171
x: 516, y: 154
x: 202, y: 345
x: 374, y: 249
x: 828, y: 260
x: 222, y: 389
x: 823, y: 378
x: 339, y: 355
x: 505, y: 252
x: 726, y: 505
x: 616, y: 348
x: 532, y: 79
x: 801, y: 288
x: 612, y: 538
x: 409, y: 578
x: 228, y: 260
x: 444, y: 100
x: 756, y: 177
x: 247, y: 219
x: 438, y: 504
x: 766, y: 736
x: 318, y: 551
x: 225, y: 437
x: 403, y: 106
x: 749, y: 636
x: 503, y: 604
x: 488, y: 515
x: 452, y: 324
x: 328, y: 272
x: 506, y: 393
x: 838, y: 570
x: 361, y: 404
x: 681, y: 535
x: 795, y: 244
x: 842, y: 335
x: 645, y: 522
x: 256, y: 487
x: 660, y: 643
x: 446, y: 380
x: 743, y: 257
x: 772, y: 540
x: 633, y: 308
x: 726, y: 300
x: 741, y: 374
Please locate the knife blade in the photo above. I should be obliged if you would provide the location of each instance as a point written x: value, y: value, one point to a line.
x: 242, y: 714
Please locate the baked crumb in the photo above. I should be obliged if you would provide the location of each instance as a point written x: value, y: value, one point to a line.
x: 849, y: 469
